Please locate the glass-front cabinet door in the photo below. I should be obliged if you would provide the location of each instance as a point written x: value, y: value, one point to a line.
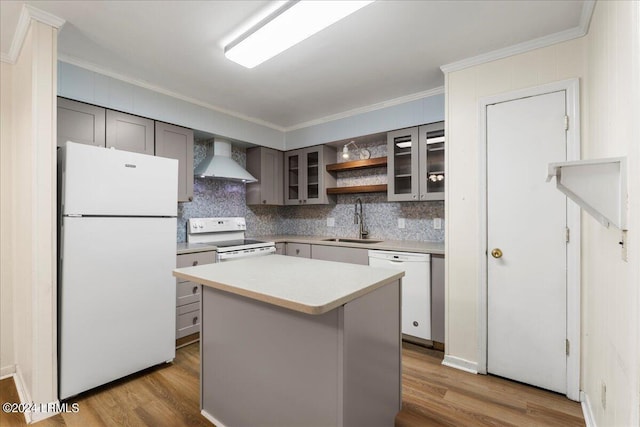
x: 432, y: 174
x: 293, y: 178
x: 312, y: 167
x: 402, y: 165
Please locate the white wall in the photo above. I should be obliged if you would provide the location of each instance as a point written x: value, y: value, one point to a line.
x: 95, y: 88
x: 30, y: 270
x: 611, y: 287
x: 7, y: 361
x: 463, y: 255
x: 412, y: 113
x: 607, y: 62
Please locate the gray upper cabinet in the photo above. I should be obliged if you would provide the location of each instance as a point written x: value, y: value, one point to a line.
x: 267, y: 165
x: 176, y: 142
x: 130, y: 133
x: 80, y: 122
x: 415, y: 167
x: 306, y: 178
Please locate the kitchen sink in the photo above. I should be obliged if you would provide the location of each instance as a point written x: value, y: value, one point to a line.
x: 348, y: 240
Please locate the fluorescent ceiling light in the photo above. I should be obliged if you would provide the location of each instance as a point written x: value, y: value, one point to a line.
x: 287, y: 26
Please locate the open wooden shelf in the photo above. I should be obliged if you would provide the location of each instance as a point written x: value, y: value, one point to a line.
x: 357, y: 164
x: 380, y: 188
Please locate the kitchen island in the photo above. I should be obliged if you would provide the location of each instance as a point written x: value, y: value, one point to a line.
x: 298, y: 342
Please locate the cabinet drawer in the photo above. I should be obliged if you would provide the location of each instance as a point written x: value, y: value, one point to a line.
x: 187, y: 308
x: 197, y: 258
x: 187, y: 323
x: 187, y: 293
x: 302, y: 250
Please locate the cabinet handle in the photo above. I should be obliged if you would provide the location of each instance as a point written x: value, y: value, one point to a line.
x: 415, y: 323
x: 195, y: 320
x: 195, y: 290
x: 191, y: 198
x: 304, y: 201
x: 195, y: 263
x: 414, y: 196
x: 264, y: 202
x: 297, y: 251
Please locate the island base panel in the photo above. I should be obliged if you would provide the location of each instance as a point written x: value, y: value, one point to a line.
x: 269, y: 366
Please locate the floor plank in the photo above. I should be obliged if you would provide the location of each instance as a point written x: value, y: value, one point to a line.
x: 433, y: 395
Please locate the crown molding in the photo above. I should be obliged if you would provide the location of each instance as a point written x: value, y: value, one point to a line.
x: 146, y: 85
x: 28, y: 13
x: 373, y: 107
x: 572, y: 33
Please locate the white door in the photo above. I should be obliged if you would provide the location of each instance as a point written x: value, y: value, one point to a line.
x: 526, y: 221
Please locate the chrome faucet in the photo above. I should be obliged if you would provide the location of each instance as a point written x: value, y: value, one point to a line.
x: 358, y: 218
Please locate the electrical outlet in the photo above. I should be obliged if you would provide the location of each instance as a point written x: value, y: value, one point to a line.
x: 331, y: 222
x: 603, y: 395
x: 401, y: 223
x: 437, y: 223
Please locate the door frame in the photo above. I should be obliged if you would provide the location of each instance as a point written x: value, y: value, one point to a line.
x: 572, y: 88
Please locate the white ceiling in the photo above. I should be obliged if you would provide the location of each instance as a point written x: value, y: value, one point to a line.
x: 388, y: 50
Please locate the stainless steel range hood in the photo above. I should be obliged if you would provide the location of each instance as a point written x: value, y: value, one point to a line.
x: 218, y: 164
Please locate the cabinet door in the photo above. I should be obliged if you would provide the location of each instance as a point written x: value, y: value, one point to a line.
x: 295, y: 177
x: 302, y: 250
x: 281, y: 249
x: 403, y: 166
x: 80, y: 122
x: 317, y: 177
x: 267, y: 165
x: 431, y: 161
x: 437, y: 298
x: 176, y: 142
x: 340, y: 254
x: 129, y: 133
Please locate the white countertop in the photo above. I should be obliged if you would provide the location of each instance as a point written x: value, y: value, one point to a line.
x: 187, y: 248
x: 417, y: 246
x: 304, y: 285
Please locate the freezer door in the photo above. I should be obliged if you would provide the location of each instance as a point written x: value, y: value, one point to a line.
x: 116, y: 299
x: 103, y: 181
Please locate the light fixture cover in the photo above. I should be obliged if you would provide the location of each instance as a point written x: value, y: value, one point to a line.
x: 289, y: 25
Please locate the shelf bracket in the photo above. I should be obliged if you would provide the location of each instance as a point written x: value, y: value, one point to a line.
x: 597, y: 186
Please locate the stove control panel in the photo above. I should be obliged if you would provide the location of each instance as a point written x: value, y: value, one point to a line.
x: 216, y: 225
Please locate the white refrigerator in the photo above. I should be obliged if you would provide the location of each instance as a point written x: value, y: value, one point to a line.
x: 117, y: 250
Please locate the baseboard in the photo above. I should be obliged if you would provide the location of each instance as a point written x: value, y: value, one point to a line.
x: 23, y: 393
x: 211, y: 418
x: 44, y: 411
x: 587, y: 411
x: 7, y: 371
x: 462, y: 364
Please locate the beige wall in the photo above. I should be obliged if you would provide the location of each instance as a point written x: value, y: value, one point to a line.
x: 6, y: 242
x: 607, y: 62
x: 28, y: 199
x: 611, y: 294
x: 464, y: 90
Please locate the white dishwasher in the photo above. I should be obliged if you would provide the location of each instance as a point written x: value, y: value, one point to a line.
x: 416, y: 288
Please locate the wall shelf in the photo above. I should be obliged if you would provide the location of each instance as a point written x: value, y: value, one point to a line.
x: 381, y: 188
x: 357, y: 164
x: 597, y: 186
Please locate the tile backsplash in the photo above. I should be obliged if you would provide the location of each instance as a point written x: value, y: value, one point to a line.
x: 227, y: 198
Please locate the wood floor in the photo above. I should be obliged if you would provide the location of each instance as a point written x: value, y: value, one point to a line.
x: 433, y: 395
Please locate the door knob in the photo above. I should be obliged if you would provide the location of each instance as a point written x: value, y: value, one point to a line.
x: 496, y: 253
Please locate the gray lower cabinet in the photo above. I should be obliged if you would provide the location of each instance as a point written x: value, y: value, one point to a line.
x: 302, y: 250
x: 267, y: 165
x: 130, y: 133
x: 340, y: 254
x: 176, y: 142
x: 281, y: 249
x: 437, y: 298
x: 80, y: 122
x: 188, y: 298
